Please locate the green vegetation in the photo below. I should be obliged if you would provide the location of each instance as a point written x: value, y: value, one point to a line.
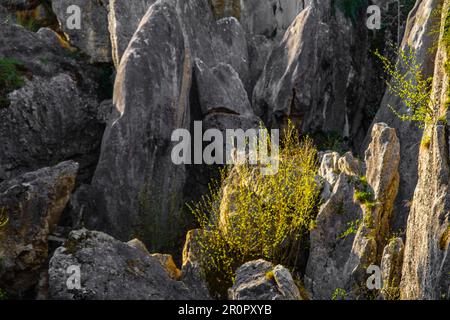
x: 248, y: 215
x: 3, y: 295
x: 339, y: 294
x: 364, y: 194
x: 10, y: 79
x: 411, y: 86
x: 426, y: 141
x: 353, y: 227
x: 3, y: 218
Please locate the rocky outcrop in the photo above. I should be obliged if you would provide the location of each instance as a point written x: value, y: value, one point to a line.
x: 391, y: 268
x: 353, y: 223
x: 318, y: 75
x: 426, y: 266
x: 92, y: 35
x: 136, y: 174
x: 47, y: 122
x: 111, y: 270
x: 192, y: 273
x: 419, y: 37
x: 33, y: 204
x: 55, y: 116
x: 260, y: 280
x: 139, y: 189
x: 123, y: 19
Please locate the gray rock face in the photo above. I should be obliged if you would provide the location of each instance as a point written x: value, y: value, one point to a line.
x: 93, y: 36
x: 111, y: 270
x: 419, y: 37
x: 314, y: 74
x: 426, y: 262
x: 55, y: 116
x: 426, y: 266
x: 191, y: 272
x: 351, y: 232
x: 382, y: 161
x: 391, y: 268
x: 221, y: 90
x: 259, y: 280
x: 270, y: 18
x: 124, y: 18
x: 33, y: 204
x: 332, y: 241
x: 139, y: 189
x: 49, y: 121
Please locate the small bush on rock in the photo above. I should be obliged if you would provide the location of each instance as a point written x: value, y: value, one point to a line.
x: 249, y: 216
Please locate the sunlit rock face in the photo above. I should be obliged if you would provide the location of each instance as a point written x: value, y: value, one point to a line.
x: 180, y: 66
x: 426, y: 262
x: 420, y: 38
x: 319, y: 75
x: 351, y: 232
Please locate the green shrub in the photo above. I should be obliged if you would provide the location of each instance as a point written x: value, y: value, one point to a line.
x: 409, y: 84
x: 339, y: 294
x: 3, y: 218
x: 10, y: 79
x: 3, y: 295
x: 248, y: 215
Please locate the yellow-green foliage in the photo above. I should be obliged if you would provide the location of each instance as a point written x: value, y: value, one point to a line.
x: 339, y: 294
x: 3, y: 217
x: 426, y: 141
x: 259, y: 216
x: 411, y: 86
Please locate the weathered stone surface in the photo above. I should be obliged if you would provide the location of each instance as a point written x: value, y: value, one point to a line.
x: 317, y: 75
x: 269, y: 18
x: 139, y: 189
x: 221, y: 90
x: 332, y: 242
x: 420, y: 38
x: 426, y: 265
x: 136, y: 174
x: 230, y: 47
x: 111, y: 270
x: 33, y: 204
x: 124, y: 18
x: 192, y: 273
x: 259, y: 280
x: 382, y: 161
x: 426, y: 262
x: 351, y: 232
x: 49, y: 121
x: 391, y: 268
x: 93, y: 36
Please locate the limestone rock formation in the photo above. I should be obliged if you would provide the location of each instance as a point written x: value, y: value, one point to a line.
x: 260, y: 280
x: 110, y: 269
x: 124, y: 18
x: 32, y: 203
x: 92, y: 35
x: 420, y: 37
x: 136, y: 174
x: 354, y: 221
x: 55, y: 115
x: 325, y: 44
